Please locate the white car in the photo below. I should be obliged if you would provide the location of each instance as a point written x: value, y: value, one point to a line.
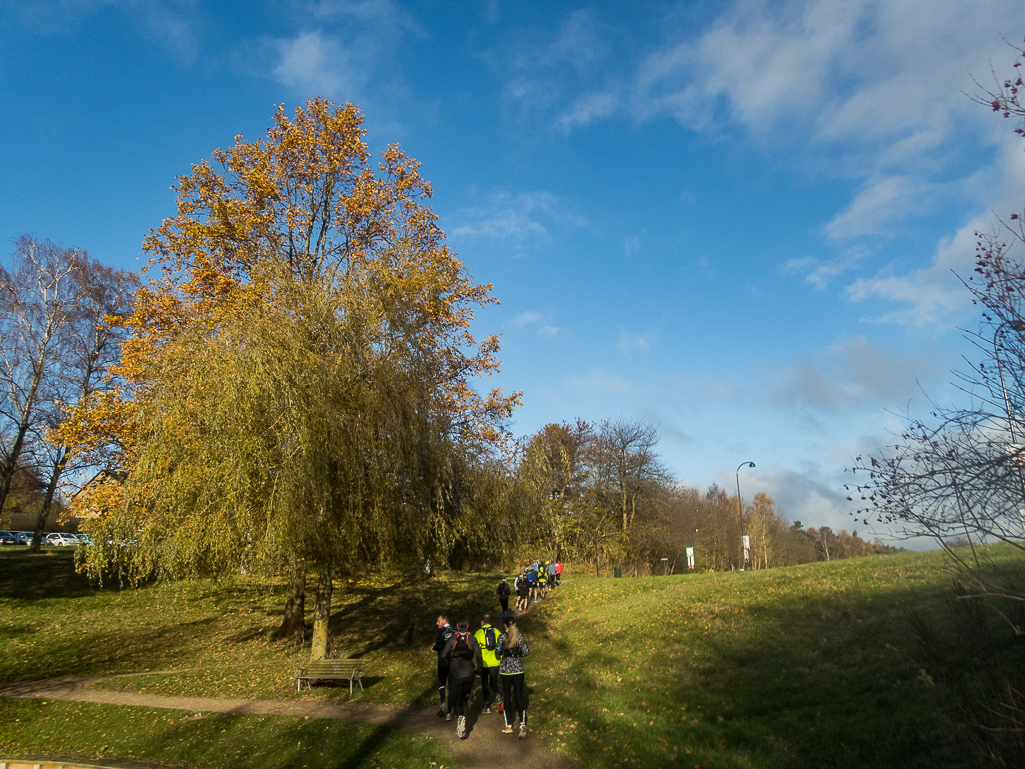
x: 59, y: 539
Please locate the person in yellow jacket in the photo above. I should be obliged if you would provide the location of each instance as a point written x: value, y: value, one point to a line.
x: 487, y: 639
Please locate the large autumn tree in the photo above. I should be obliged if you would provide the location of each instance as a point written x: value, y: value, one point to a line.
x: 300, y: 369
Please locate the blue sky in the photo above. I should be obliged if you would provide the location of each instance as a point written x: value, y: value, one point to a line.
x: 739, y: 221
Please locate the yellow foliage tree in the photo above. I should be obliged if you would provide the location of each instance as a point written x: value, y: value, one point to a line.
x: 299, y: 368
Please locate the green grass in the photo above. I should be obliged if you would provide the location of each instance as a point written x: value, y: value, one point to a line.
x: 810, y: 666
x: 73, y: 730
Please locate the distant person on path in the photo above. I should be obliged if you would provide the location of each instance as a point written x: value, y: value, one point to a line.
x: 464, y: 660
x: 558, y: 573
x: 504, y: 591
x: 532, y: 585
x: 522, y: 591
x: 512, y: 647
x: 444, y: 633
x: 487, y: 640
x: 552, y: 574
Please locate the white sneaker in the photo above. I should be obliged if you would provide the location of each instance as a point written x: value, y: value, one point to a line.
x: 448, y: 716
x: 461, y: 728
x: 523, y: 731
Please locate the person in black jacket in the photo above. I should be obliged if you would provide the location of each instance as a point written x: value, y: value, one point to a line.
x: 504, y: 591
x: 445, y: 632
x: 464, y: 658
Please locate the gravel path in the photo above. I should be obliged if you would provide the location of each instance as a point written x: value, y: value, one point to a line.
x: 485, y: 747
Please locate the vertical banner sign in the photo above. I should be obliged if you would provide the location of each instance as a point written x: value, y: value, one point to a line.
x: 747, y: 548
x: 690, y: 558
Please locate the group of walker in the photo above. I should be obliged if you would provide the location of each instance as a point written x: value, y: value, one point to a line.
x: 495, y: 655
x: 534, y: 582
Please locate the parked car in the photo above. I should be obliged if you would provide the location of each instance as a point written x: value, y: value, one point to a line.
x: 60, y: 539
x: 8, y: 537
x: 24, y: 537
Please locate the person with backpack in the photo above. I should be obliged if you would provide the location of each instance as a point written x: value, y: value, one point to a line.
x: 512, y: 648
x: 444, y: 634
x: 464, y: 660
x: 487, y: 640
x: 522, y: 591
x: 532, y: 585
x: 542, y: 580
x: 504, y: 591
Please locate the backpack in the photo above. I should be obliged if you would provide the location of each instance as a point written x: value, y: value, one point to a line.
x: 490, y: 641
x: 462, y: 649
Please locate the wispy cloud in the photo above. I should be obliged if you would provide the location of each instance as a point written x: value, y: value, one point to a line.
x: 598, y: 383
x: 880, y: 203
x: 344, y: 49
x: 534, y: 320
x: 518, y: 217
x: 820, y: 273
x: 313, y: 62
x: 631, y: 244
x: 174, y: 25
x: 850, y: 374
x: 628, y: 342
x: 865, y: 91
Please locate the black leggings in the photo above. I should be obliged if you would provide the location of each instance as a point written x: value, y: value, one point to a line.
x: 515, y: 698
x: 459, y: 695
x: 489, y: 683
x: 442, y: 680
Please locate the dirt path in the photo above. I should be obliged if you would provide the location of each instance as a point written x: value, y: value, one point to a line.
x: 485, y: 747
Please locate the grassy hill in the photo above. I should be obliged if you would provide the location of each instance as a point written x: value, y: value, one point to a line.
x: 809, y: 666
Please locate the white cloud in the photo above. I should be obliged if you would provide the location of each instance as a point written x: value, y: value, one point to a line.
x: 517, y: 217
x: 631, y: 245
x: 598, y: 384
x: 628, y: 342
x: 581, y: 42
x: 850, y: 374
x: 880, y: 202
x: 530, y: 318
x: 867, y: 91
x: 932, y: 294
x: 312, y: 62
x: 173, y: 24
x: 587, y: 109
x: 820, y: 273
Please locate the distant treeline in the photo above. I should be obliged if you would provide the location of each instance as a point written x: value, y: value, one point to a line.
x: 599, y: 494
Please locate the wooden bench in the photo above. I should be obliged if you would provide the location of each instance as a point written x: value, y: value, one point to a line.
x: 330, y: 670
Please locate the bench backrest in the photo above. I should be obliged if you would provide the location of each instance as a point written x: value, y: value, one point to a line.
x: 335, y: 667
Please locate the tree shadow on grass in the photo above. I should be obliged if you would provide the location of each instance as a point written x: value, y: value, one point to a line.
x: 827, y: 678
x: 22, y: 579
x: 80, y: 653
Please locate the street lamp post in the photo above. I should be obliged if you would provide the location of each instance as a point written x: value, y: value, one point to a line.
x: 740, y: 509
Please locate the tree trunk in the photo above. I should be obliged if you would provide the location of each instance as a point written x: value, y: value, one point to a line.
x: 294, y: 620
x: 51, y: 490
x: 321, y: 615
